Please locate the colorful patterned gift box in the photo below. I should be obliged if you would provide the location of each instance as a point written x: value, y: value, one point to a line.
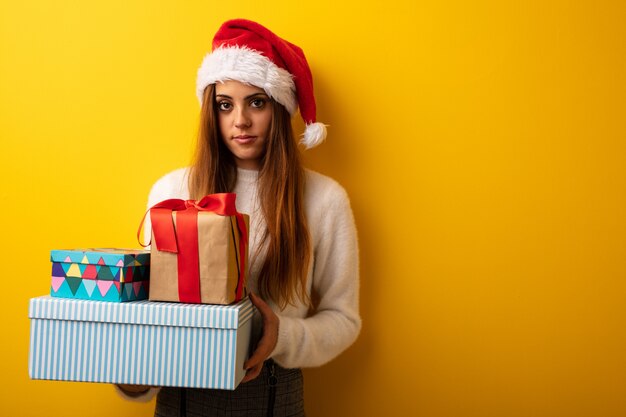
x: 102, y: 274
x: 139, y: 342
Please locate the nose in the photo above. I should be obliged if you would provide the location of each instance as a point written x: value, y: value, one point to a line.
x: 242, y: 120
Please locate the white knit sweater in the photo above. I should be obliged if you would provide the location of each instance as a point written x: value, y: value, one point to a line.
x: 304, y: 339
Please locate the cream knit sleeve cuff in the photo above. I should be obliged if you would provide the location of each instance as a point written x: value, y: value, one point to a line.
x: 283, y: 339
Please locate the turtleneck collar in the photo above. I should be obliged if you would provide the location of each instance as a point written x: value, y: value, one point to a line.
x: 247, y: 175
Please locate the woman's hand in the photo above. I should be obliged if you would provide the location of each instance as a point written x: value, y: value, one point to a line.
x: 254, y: 364
x: 133, y: 390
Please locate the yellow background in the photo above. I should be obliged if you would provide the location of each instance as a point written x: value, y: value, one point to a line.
x: 482, y: 145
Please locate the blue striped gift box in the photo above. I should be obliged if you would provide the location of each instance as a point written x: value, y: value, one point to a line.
x: 139, y: 342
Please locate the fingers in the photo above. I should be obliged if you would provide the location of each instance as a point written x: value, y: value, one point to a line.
x: 270, y: 319
x: 134, y: 388
x: 262, y: 352
x: 261, y: 305
x: 270, y: 334
x: 253, y: 372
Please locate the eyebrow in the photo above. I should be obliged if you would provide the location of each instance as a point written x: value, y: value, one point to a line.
x: 245, y: 98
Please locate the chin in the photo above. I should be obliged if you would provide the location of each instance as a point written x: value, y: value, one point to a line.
x: 246, y: 160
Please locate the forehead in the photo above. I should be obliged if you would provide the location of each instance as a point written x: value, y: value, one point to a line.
x: 236, y: 88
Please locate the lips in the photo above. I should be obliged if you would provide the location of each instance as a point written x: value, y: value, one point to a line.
x: 244, y: 139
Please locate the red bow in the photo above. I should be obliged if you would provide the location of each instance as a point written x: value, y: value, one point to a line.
x: 167, y: 240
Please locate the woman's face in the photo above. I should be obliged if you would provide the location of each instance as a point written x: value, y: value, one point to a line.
x: 244, y: 117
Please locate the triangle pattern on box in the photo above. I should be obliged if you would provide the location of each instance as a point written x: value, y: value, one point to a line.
x: 89, y: 285
x: 63, y: 291
x: 77, y: 274
x: 143, y: 292
x: 136, y: 288
x: 105, y: 273
x: 104, y: 286
x: 74, y: 271
x: 73, y: 283
x: 57, y: 282
x: 115, y: 272
x: 90, y: 272
x: 57, y: 269
x: 129, y: 291
x: 81, y: 292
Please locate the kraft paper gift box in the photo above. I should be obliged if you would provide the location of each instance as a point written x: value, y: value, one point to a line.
x: 199, y: 250
x: 102, y: 274
x: 139, y: 342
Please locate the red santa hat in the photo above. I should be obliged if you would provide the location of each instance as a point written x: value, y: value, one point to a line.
x: 248, y: 52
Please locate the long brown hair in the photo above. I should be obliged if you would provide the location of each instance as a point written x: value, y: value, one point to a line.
x: 280, y: 190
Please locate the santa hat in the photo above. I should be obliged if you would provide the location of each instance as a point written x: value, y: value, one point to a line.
x: 248, y: 52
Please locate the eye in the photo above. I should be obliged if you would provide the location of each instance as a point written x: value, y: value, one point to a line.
x: 258, y: 103
x: 224, y: 106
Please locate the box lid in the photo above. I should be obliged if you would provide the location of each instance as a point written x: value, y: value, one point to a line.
x: 142, y: 312
x: 102, y: 256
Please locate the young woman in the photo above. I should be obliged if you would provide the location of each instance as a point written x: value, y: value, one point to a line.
x: 303, y: 244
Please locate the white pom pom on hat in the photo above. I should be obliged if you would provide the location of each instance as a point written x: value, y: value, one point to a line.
x: 313, y: 135
x: 248, y: 52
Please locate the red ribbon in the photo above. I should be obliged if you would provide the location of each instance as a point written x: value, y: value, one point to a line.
x: 168, y: 240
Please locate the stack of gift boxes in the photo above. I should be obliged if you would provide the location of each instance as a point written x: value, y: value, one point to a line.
x: 176, y: 315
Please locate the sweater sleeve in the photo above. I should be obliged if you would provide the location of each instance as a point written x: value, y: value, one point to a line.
x: 171, y: 185
x: 336, y: 323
